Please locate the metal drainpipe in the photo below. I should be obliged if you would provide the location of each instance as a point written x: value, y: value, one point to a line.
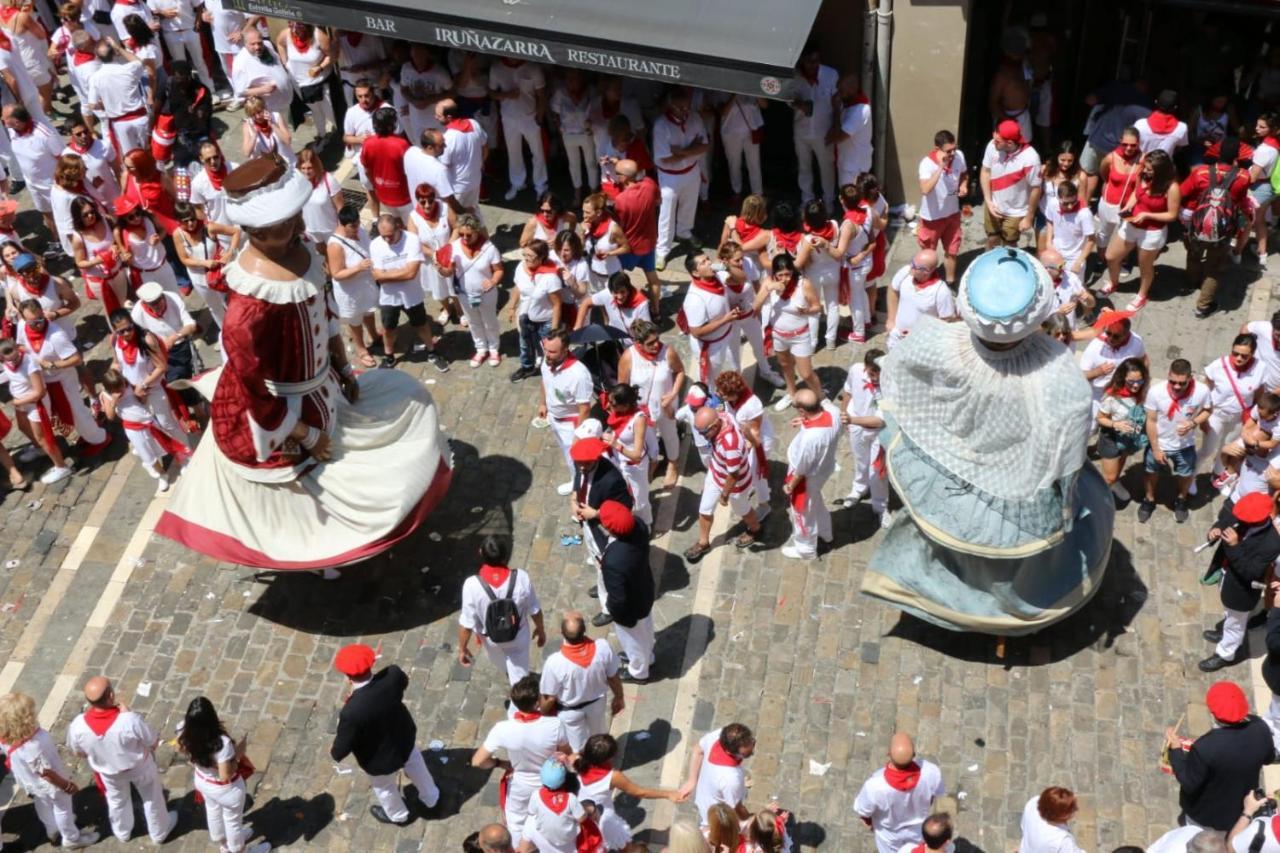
x: 868, y: 59
x: 880, y: 99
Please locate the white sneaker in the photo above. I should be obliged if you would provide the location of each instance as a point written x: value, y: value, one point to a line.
x: 55, y: 474
x: 88, y: 838
x: 564, y: 489
x: 784, y: 403
x: 1193, y: 488
x: 791, y: 552
x: 260, y: 847
x: 512, y: 192
x: 886, y: 520
x: 774, y: 379
x: 162, y: 485
x: 1262, y: 263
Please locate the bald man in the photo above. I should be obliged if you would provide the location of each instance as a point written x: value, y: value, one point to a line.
x: 635, y: 204
x: 1068, y: 288
x: 120, y: 748
x: 811, y: 460
x: 897, y: 798
x: 577, y: 677
x: 494, y: 838
x: 918, y: 291
x: 465, y: 148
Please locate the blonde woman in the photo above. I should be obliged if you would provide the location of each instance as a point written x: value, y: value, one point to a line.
x: 686, y: 838
x: 33, y: 758
x: 264, y: 133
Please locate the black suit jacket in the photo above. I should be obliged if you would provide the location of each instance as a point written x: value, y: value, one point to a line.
x: 605, y: 483
x: 376, y: 726
x: 628, y: 580
x: 1244, y: 563
x: 1219, y: 769
x: 1271, y: 663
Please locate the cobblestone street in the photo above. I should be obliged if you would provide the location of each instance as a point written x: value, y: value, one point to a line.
x: 821, y: 674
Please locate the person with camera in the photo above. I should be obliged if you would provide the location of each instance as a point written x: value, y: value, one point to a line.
x: 1222, y: 765
x: 1254, y: 830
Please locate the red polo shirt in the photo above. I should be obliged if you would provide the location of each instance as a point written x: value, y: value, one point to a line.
x: 637, y: 211
x: 1197, y: 184
x: 383, y: 160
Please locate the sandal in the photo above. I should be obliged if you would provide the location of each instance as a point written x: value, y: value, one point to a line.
x: 746, y: 540
x: 696, y: 552
x: 366, y: 359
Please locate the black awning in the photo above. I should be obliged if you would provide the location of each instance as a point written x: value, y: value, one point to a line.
x: 703, y: 43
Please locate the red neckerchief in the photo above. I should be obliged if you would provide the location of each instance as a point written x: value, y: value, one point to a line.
x: 718, y: 756
x: 790, y: 289
x: 1162, y: 122
x: 580, y: 654
x: 742, y: 398
x: 859, y: 97
x: 680, y: 124
x: 826, y: 232
x: 637, y: 299
x: 868, y: 385
x: 462, y: 125
x: 745, y: 229
x: 526, y: 716
x: 44, y: 282
x: 556, y: 801
x: 158, y: 314
x: 128, y: 349
x: 1272, y: 141
x: 618, y: 423
x: 131, y: 43
x: 1228, y: 364
x: 601, y: 228
x: 788, y: 240
x: 569, y: 361
x: 640, y: 351
x: 433, y: 216
x: 544, y: 269
x: 298, y: 44
x: 216, y: 176
x: 595, y: 774
x: 494, y: 576
x: 550, y: 226
x: 857, y: 216
x: 936, y: 156
x: 35, y: 339
x: 75, y: 146
x: 100, y: 719
x: 710, y: 285
x: 80, y: 57
x: 353, y: 38
x: 822, y: 419
x: 902, y: 778
x: 1123, y: 392
x: 1119, y: 152
x: 26, y: 131
x: 1063, y: 211
x: 1176, y: 402
x: 921, y: 285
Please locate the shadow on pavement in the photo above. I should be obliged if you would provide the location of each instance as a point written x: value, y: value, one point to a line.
x: 292, y: 820
x: 419, y: 580
x: 457, y: 780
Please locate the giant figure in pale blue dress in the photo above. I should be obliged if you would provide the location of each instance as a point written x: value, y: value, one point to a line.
x: 1006, y: 526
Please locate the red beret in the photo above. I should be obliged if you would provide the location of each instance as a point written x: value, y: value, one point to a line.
x: 588, y: 450
x: 1253, y: 508
x: 1110, y: 318
x: 355, y: 659
x: 616, y: 518
x: 1227, y: 702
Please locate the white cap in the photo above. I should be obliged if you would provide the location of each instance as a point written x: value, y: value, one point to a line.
x: 590, y: 428
x: 150, y: 291
x: 271, y: 204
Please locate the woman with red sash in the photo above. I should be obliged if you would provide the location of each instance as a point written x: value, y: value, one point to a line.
x: 140, y: 358
x: 97, y: 256
x: 27, y: 385
x: 747, y: 228
x: 1118, y: 174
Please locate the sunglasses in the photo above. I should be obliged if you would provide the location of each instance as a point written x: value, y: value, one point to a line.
x: 1180, y: 383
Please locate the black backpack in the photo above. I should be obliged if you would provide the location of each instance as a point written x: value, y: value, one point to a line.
x: 501, y: 617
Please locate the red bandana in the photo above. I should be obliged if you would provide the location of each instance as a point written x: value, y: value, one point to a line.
x: 462, y: 125
x: 556, y: 801
x: 860, y: 97
x: 299, y: 44
x: 857, y: 216
x: 745, y: 229
x: 1176, y: 401
x: 618, y: 423
x: 353, y: 38
x: 216, y: 176
x: 595, y: 774
x: 433, y: 216
x: 710, y: 285
x: 579, y: 653
x: 822, y: 419
x: 550, y: 225
x: 128, y: 349
x: 787, y: 240
x: 1118, y: 152
x: 936, y: 156
x: 718, y: 756
x: 930, y: 282
x: 35, y: 339
x: 637, y: 299
x: 601, y: 228
x: 826, y: 232
x: 643, y: 353
x: 100, y: 719
x: 1272, y: 141
x: 76, y: 146
x: 526, y: 716
x: 1162, y: 122
x: 494, y: 576
x: 902, y: 778
x: 80, y: 57
x: 26, y: 285
x: 157, y: 313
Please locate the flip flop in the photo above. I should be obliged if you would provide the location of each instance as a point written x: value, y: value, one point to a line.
x: 746, y: 540
x: 367, y: 360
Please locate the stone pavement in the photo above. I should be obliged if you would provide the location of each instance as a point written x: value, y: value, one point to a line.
x: 790, y: 649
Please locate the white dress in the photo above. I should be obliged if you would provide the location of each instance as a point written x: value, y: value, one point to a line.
x: 433, y: 237
x: 596, y: 785
x: 357, y: 296
x: 318, y: 213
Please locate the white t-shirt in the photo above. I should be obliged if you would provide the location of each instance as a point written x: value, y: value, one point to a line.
x: 526, y: 744
x: 248, y: 72
x: 863, y: 401
x: 701, y: 307
x: 1261, y: 329
x: 573, y: 115
x: 621, y: 317
x: 423, y: 84
x: 19, y: 378
x: 1012, y: 177
x: 387, y: 257
x: 1161, y: 402
x: 226, y: 752
x: 1239, y: 844
x: 475, y: 602
x: 535, y: 289
x: 37, y: 152
x: 668, y: 135
x: 475, y: 270
x: 1070, y: 230
x: 1099, y: 351
x: 185, y: 20
x: 421, y: 168
x: 175, y: 317
x: 1149, y: 140
x: 32, y: 757
x: 572, y: 684
x: 819, y: 92
x: 1264, y: 157
x: 566, y: 389
x: 213, y: 201
x: 916, y: 301
x: 463, y: 155
x: 944, y: 199
x: 896, y: 815
x: 527, y: 78
x: 743, y: 117
x: 1253, y: 473
x: 125, y: 745
x: 1223, y: 396
x: 225, y: 22
x: 1040, y: 836
x: 717, y: 783
x: 853, y: 153
x: 552, y: 831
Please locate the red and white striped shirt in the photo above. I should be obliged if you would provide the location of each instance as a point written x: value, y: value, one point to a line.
x: 730, y: 456
x: 1012, y: 177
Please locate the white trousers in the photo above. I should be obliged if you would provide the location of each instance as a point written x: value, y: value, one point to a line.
x: 736, y: 148
x: 581, y: 148
x: 751, y: 329
x: 585, y: 722
x: 1234, y: 623
x: 720, y: 356
x: 865, y: 447
x: 603, y: 599
x: 678, y: 209
x: 185, y: 44
x: 517, y: 807
x: 637, y: 477
x: 146, y: 779
x: 322, y: 115
x: 563, y: 431
x: 807, y: 150
x: 527, y: 131
x: 667, y: 433
x: 82, y: 418
x: 814, y: 523
x: 223, y: 811
x: 213, y: 300
x: 482, y: 320
x: 859, y: 305
x: 512, y: 656
x: 58, y: 816
x: 132, y: 133
x: 829, y: 295
x: 387, y: 789
x: 1221, y: 428
x: 637, y: 644
x: 158, y: 402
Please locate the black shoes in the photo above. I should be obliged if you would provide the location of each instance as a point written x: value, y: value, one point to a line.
x: 523, y: 373
x: 601, y: 619
x: 1213, y: 662
x: 1180, y: 513
x: 1144, y: 511
x: 1205, y: 313
x: 1212, y: 635
x: 436, y: 360
x: 381, y: 816
x: 388, y: 361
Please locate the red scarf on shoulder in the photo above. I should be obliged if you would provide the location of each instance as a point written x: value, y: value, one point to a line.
x: 787, y: 240
x: 100, y: 719
x: 902, y: 778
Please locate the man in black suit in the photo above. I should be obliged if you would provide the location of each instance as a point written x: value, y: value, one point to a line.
x: 628, y: 587
x: 1222, y: 765
x: 376, y: 727
x: 595, y: 480
x: 1249, y: 544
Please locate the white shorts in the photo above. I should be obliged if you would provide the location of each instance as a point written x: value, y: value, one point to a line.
x: 739, y: 502
x: 1144, y: 238
x: 800, y: 345
x: 40, y: 198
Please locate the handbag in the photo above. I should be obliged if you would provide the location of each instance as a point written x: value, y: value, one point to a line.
x: 314, y: 92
